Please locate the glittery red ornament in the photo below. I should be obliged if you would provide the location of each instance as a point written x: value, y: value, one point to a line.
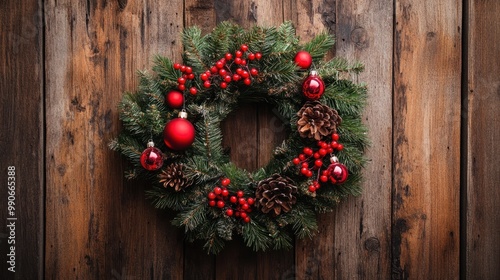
x: 151, y: 158
x: 174, y: 99
x: 303, y: 59
x: 337, y: 172
x: 313, y: 87
x: 179, y: 133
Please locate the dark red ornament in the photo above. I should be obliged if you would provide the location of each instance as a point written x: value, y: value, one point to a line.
x: 303, y: 59
x: 151, y: 158
x: 174, y: 99
x: 337, y: 172
x: 313, y: 87
x: 179, y: 133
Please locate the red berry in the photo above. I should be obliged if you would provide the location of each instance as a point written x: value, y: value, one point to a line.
x: 254, y: 72
x: 340, y: 147
x: 209, y: 73
x: 239, y: 71
x: 244, y: 48
x: 227, y: 78
x: 312, y: 188
x: 296, y: 161
x: 245, y: 74
x: 214, y: 69
x: 211, y: 196
x: 324, y: 172
x: 237, y: 60
x: 250, y: 201
x: 247, y: 81
x: 335, y: 137
x: 318, y: 163
x: 225, y: 192
x: 309, y: 173
x: 323, y: 178
x: 181, y: 87
x: 222, y: 72
x: 228, y: 56
x: 307, y: 151
x: 243, y: 215
x: 217, y: 190
x: 304, y: 170
x: 181, y: 80
x: 193, y: 90
x: 219, y: 64
x: 322, y: 152
x: 177, y: 66
x: 246, y: 220
x: 223, y: 85
x: 190, y: 76
x: 229, y: 212
x: 334, y: 145
x: 206, y: 84
x: 183, y: 68
x: 238, y: 54
x: 236, y: 77
x: 245, y: 206
x: 316, y: 155
x: 189, y: 70
x: 258, y: 55
x: 220, y: 204
x: 329, y: 150
x: 225, y: 182
x: 324, y: 145
x: 242, y: 201
x: 233, y: 199
x: 302, y: 157
x: 204, y: 77
x: 243, y: 62
x: 305, y: 164
x: 240, y: 193
x: 212, y: 203
x: 251, y: 56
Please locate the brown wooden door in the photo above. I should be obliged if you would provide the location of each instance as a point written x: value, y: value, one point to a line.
x: 428, y: 209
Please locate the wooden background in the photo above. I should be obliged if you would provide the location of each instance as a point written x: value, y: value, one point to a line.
x: 429, y: 207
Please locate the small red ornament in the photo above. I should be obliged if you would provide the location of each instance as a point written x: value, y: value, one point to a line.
x: 151, y: 158
x: 303, y: 59
x: 179, y: 133
x: 174, y: 99
x: 337, y: 172
x: 313, y: 87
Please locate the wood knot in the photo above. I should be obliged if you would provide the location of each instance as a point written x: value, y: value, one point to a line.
x: 122, y: 4
x: 372, y: 244
x: 359, y: 37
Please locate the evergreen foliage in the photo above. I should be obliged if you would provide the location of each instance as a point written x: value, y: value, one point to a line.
x: 144, y: 115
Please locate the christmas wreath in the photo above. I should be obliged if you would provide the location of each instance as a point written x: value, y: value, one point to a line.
x: 177, y: 112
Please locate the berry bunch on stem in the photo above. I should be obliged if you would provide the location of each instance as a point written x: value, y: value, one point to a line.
x: 312, y: 160
x: 187, y: 75
x: 233, y: 204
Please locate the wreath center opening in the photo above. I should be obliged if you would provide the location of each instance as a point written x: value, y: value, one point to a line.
x: 251, y: 133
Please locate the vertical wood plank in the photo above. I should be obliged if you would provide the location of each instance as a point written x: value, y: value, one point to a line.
x: 362, y: 235
x: 21, y: 141
x: 482, y: 253
x: 425, y: 228
x: 97, y: 225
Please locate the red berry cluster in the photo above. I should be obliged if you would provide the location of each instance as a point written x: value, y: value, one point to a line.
x: 228, y: 70
x: 311, y: 160
x: 187, y: 74
x: 234, y: 204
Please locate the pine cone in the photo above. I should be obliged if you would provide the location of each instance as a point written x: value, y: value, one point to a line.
x: 173, y: 177
x: 317, y: 120
x: 275, y: 193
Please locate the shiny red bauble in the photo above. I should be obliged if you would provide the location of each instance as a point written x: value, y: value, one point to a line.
x: 174, y: 99
x: 179, y: 134
x: 313, y: 87
x: 151, y: 158
x: 303, y: 59
x: 337, y: 173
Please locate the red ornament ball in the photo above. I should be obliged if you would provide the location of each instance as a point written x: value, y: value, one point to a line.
x: 151, y: 158
x: 174, y: 99
x: 337, y: 173
x: 303, y: 59
x: 313, y: 87
x: 179, y: 134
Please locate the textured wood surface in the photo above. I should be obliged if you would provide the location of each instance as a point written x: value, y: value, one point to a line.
x: 21, y: 137
x: 482, y: 99
x: 428, y: 206
x: 426, y: 143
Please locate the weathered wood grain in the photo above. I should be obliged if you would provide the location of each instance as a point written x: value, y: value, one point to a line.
x: 426, y: 142
x: 362, y: 237
x: 98, y: 226
x: 482, y: 158
x: 21, y: 140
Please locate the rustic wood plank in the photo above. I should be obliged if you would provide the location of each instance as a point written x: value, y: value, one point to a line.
x: 21, y: 141
x: 362, y: 235
x: 427, y: 67
x: 482, y: 253
x: 97, y: 225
